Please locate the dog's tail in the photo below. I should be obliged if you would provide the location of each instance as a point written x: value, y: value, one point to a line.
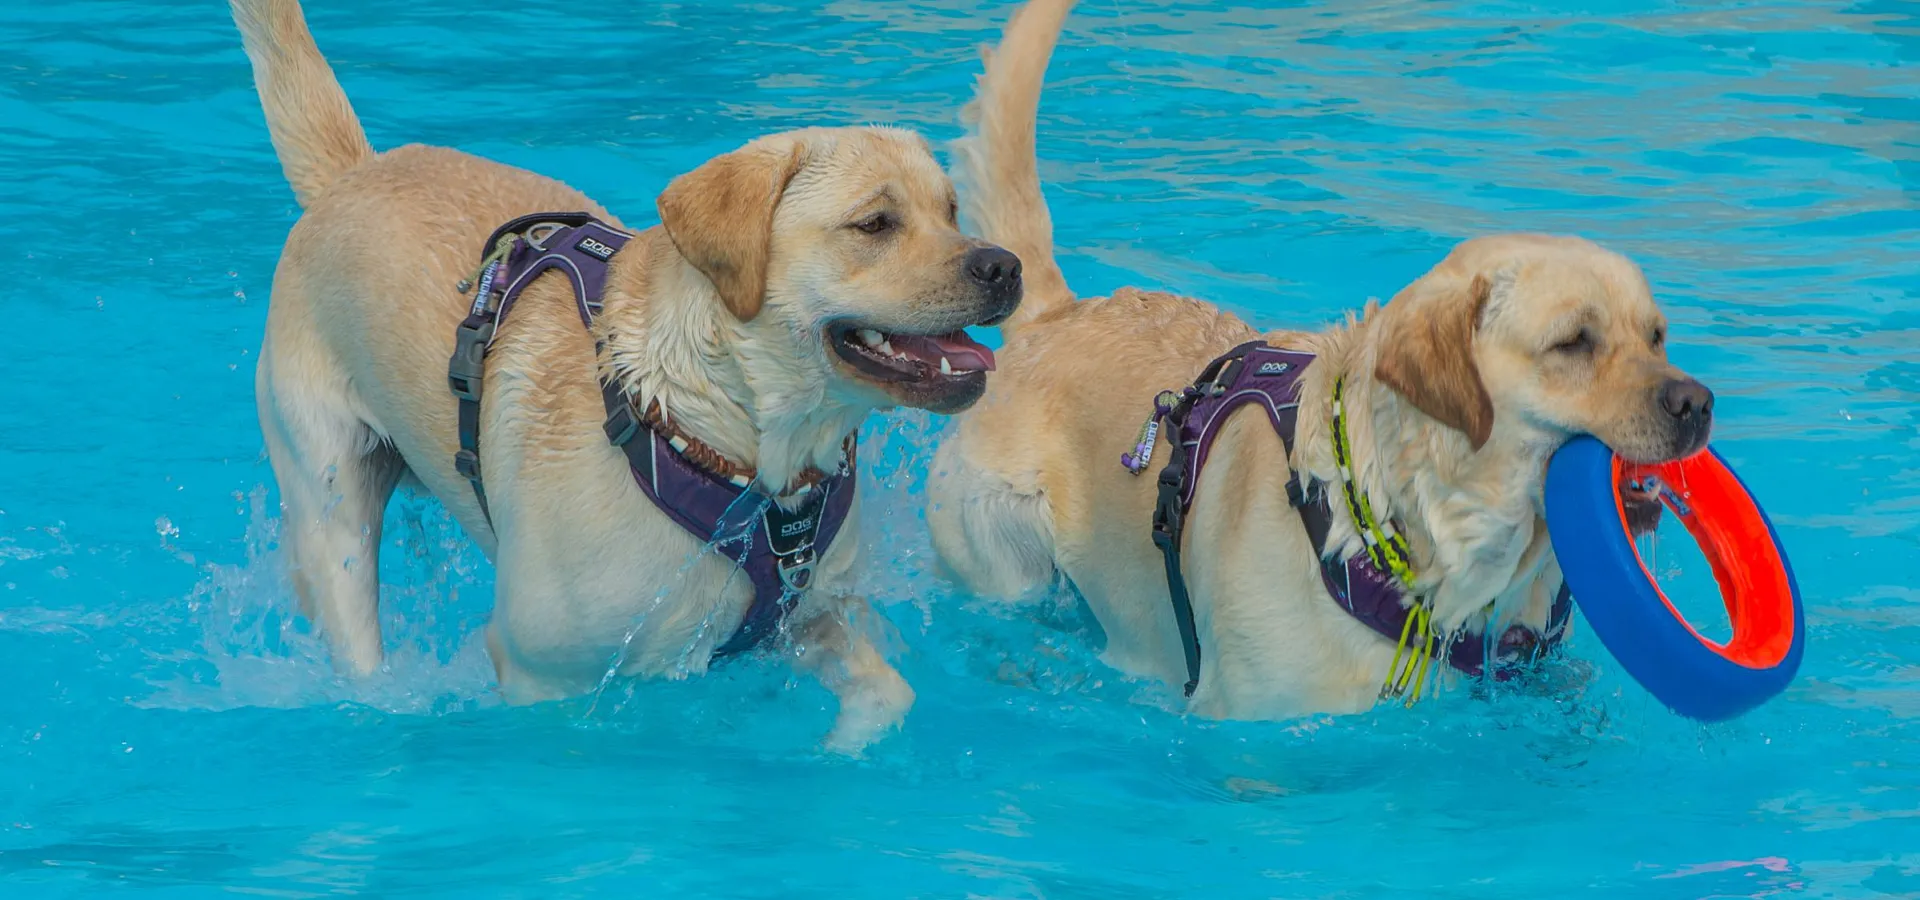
x: 996, y: 164
x: 313, y: 126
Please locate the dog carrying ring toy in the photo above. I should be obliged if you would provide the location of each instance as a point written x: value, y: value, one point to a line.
x: 1633, y: 617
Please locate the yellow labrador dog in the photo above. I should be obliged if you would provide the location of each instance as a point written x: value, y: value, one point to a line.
x: 793, y: 287
x: 1452, y: 397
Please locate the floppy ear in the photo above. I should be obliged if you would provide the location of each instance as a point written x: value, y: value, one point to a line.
x: 1426, y: 355
x: 720, y: 217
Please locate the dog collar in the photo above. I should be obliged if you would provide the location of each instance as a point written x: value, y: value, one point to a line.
x: 713, y: 461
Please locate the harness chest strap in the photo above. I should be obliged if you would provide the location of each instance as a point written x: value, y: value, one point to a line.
x: 1256, y: 373
x: 781, y: 546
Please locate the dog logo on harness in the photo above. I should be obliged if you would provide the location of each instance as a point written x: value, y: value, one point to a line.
x: 792, y: 528
x: 1273, y: 368
x: 594, y: 248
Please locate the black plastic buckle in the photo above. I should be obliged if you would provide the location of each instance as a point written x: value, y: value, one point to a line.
x: 468, y: 364
x: 467, y: 463
x: 1167, y: 516
x: 621, y: 425
x: 1300, y: 493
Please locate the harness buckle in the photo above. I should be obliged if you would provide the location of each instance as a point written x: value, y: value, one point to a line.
x: 1168, y: 518
x: 468, y: 364
x: 621, y: 425
x: 1300, y: 493
x: 467, y: 463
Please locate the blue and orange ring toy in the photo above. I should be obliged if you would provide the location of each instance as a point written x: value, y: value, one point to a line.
x: 1692, y: 675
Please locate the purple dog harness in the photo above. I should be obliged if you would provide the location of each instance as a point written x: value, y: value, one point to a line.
x: 1257, y: 373
x: 781, y: 546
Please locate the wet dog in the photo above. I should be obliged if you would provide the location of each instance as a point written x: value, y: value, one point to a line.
x: 793, y: 286
x: 1455, y: 395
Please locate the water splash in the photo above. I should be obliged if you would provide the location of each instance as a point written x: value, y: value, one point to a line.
x: 894, y: 452
x: 247, y: 644
x: 745, y: 510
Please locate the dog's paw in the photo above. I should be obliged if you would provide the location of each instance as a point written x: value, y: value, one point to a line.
x: 875, y: 706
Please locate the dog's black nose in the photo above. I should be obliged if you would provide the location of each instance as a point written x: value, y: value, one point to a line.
x: 1686, y: 399
x: 993, y: 267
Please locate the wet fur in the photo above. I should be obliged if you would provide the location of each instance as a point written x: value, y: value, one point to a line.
x: 1456, y: 398
x: 717, y: 315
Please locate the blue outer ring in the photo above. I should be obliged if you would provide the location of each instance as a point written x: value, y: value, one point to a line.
x: 1625, y: 609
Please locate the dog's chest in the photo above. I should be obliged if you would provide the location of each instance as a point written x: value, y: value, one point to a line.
x: 1486, y: 546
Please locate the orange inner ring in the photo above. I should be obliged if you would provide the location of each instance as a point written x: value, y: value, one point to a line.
x: 1737, y: 543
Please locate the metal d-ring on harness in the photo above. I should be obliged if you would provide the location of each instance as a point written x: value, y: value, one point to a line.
x: 781, y: 547
x: 1256, y: 373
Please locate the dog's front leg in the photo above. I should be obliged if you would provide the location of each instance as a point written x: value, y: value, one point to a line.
x: 874, y: 699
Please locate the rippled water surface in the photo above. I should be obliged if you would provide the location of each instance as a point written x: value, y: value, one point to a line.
x: 168, y: 728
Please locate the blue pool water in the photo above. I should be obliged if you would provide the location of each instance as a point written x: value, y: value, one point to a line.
x: 168, y: 729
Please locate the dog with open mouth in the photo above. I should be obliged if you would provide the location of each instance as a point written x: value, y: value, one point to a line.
x: 648, y: 386
x: 1291, y: 522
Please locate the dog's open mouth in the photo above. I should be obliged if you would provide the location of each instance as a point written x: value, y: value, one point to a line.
x: 912, y: 358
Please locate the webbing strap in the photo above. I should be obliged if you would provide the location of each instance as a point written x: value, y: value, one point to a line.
x: 514, y: 255
x: 1170, y: 507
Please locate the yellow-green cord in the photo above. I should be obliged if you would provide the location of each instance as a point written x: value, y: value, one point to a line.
x: 1387, y: 550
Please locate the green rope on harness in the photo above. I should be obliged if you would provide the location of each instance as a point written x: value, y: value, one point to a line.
x: 501, y: 249
x: 1385, y: 547
x: 1387, y: 550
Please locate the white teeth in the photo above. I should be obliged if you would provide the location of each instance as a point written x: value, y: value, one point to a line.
x: 870, y: 337
x: 886, y: 347
x: 946, y: 368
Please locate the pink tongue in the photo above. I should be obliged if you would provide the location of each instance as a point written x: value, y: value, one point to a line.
x: 962, y: 352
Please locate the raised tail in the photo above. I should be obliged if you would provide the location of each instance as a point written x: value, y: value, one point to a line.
x: 313, y: 126
x: 996, y: 163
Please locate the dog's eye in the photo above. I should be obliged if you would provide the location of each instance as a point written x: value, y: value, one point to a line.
x: 875, y: 224
x: 1659, y: 337
x: 953, y: 212
x: 1578, y: 345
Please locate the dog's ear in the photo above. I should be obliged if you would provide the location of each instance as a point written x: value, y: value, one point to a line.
x: 1426, y: 353
x: 720, y: 217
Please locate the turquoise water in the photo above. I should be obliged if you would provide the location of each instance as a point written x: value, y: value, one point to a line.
x: 168, y: 729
